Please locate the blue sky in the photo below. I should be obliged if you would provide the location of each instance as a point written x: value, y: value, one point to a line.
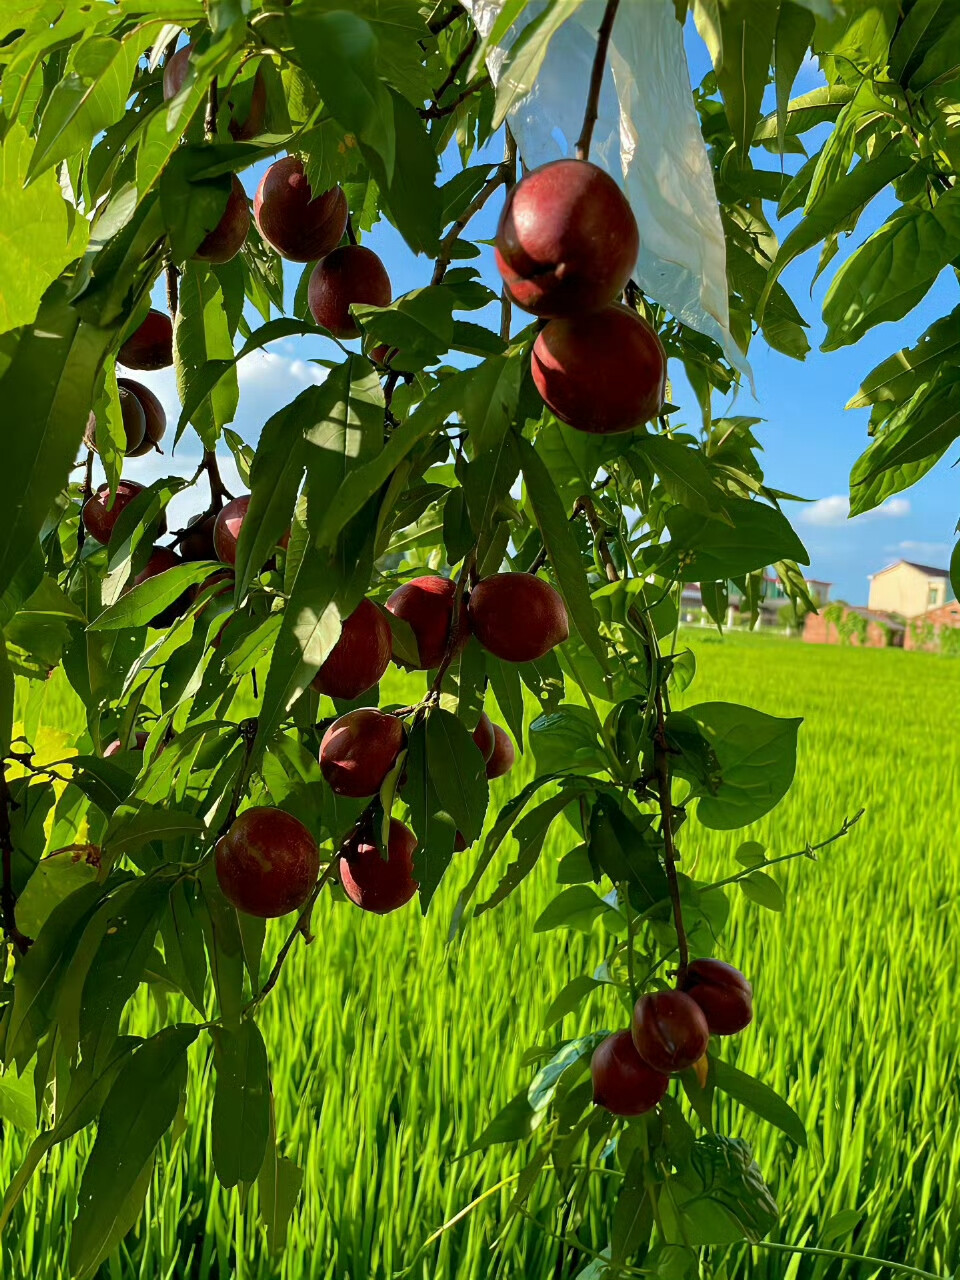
x: 810, y: 442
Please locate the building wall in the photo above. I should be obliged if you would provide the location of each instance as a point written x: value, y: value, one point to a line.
x: 905, y: 590
x: 925, y: 632
x: 816, y: 630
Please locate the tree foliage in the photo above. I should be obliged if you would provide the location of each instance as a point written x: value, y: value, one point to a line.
x: 426, y: 447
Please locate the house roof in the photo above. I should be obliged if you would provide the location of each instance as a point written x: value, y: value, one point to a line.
x: 876, y: 615
x: 930, y: 570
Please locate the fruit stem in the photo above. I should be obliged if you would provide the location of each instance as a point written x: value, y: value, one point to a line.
x: 8, y: 899
x: 248, y: 733
x: 210, y: 120
x: 218, y: 490
x: 304, y: 916
x: 433, y: 694
x: 808, y: 851
x: 600, y: 537
x: 596, y: 79
x: 665, y: 801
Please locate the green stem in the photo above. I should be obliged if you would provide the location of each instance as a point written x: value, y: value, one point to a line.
x: 902, y: 1268
x: 806, y: 852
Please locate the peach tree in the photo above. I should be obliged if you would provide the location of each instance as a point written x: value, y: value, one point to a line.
x: 491, y: 488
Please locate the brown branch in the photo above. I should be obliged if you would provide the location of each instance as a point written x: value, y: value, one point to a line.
x: 173, y: 290
x: 302, y: 926
x: 509, y: 182
x: 440, y: 24
x: 433, y: 693
x: 218, y: 490
x: 248, y: 733
x: 454, y: 71
x: 596, y: 80
x: 665, y: 801
x: 600, y: 537
x: 445, y: 256
x: 8, y: 899
x: 435, y: 112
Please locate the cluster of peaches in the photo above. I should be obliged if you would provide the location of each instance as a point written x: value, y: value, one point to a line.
x: 566, y: 245
x: 669, y: 1033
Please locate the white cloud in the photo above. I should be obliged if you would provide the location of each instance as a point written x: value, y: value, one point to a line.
x: 835, y: 510
x: 265, y: 369
x: 927, y: 551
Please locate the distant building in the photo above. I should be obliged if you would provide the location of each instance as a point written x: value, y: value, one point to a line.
x: 927, y: 631
x: 773, y: 599
x: 908, y: 589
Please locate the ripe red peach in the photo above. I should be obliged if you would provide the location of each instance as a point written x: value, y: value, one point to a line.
x: 669, y: 1030
x: 267, y: 863
x: 100, y: 516
x: 134, y: 424
x: 600, y: 373
x: 517, y: 616
x: 359, y: 750
x: 360, y: 657
x: 151, y: 345
x: 300, y: 226
x: 426, y: 605
x: 503, y: 755
x: 722, y: 992
x: 155, y: 418
x: 376, y: 883
x: 567, y: 240
x: 226, y: 239
x: 349, y: 274
x: 622, y: 1081
x: 484, y: 736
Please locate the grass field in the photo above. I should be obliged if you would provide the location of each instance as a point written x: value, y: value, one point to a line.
x: 389, y: 1051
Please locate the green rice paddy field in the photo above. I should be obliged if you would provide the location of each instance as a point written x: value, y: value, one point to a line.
x: 390, y: 1051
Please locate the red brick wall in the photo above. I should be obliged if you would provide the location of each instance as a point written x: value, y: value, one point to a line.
x: 948, y: 615
x: 816, y: 630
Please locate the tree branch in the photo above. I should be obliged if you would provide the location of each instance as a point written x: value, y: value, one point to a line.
x: 8, y: 899
x: 218, y: 490
x: 665, y: 801
x: 85, y: 497
x: 213, y: 106
x: 436, y: 25
x: 476, y: 204
x: 596, y: 80
x: 248, y: 733
x: 600, y: 537
x: 173, y: 289
x: 454, y: 71
x: 463, y: 577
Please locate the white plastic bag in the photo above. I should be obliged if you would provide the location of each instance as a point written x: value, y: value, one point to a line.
x: 647, y: 136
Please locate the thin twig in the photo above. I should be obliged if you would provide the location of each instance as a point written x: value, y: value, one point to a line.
x: 8, y: 899
x: 433, y: 693
x: 600, y: 537
x: 351, y: 234
x: 303, y: 918
x: 454, y: 71
x: 248, y: 733
x: 445, y: 256
x: 596, y: 80
x: 435, y: 112
x: 210, y: 120
x: 85, y: 497
x: 509, y: 182
x: 809, y: 851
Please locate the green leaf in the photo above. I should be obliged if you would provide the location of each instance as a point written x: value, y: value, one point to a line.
x: 240, y: 1122
x: 757, y: 755
x: 892, y: 270
x: 410, y: 199
x: 49, y: 383
x: 685, y: 474
x: 436, y: 828
x: 924, y: 25
x: 126, y: 926
x: 792, y: 38
x: 955, y: 571
x: 739, y: 35
x: 18, y: 1103
x: 562, y: 549
x: 806, y: 112
x: 572, y: 995
x: 339, y: 52
x: 139, y: 1109
x: 201, y: 334
x: 623, y: 847
x: 134, y: 825
x: 718, y: 1197
x: 507, y: 689
x: 567, y: 741
x: 840, y: 202
x: 574, y: 908
x: 138, y: 606
x: 895, y: 379
x: 91, y: 96
x: 913, y: 441
x: 530, y: 833
x: 7, y: 694
x: 54, y: 879
x: 183, y: 950
x: 763, y: 890
x: 490, y: 399
x: 758, y: 1098
x: 457, y: 771
x: 29, y: 263
x: 711, y: 550
x: 279, y: 1186
x: 525, y: 57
